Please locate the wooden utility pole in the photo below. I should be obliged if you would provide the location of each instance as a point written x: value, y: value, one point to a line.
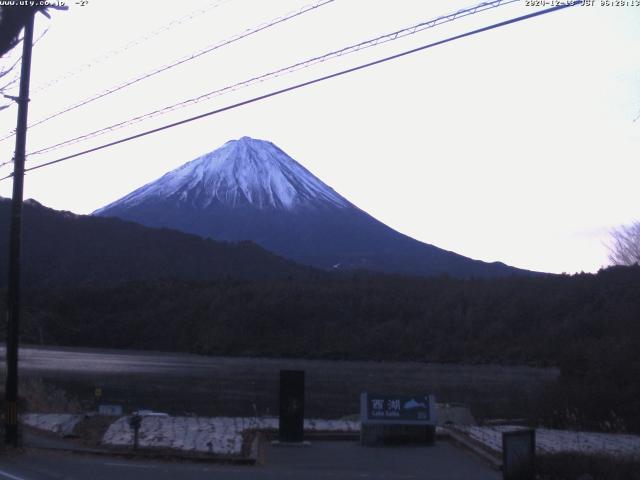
x: 15, y: 241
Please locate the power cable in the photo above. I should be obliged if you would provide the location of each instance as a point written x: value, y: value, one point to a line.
x: 180, y: 61
x: 18, y: 60
x: 307, y: 83
x: 129, y: 45
x: 283, y: 71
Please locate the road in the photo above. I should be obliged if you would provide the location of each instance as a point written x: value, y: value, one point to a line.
x: 214, y: 386
x: 320, y: 461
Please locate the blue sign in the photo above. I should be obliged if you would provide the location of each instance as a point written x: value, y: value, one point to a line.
x: 397, y: 409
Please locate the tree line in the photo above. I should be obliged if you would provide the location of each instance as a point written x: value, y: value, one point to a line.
x: 586, y: 324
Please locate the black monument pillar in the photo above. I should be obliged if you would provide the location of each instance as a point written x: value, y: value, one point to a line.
x: 291, y: 425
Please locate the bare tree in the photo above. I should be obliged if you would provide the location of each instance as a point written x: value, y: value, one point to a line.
x: 624, y: 246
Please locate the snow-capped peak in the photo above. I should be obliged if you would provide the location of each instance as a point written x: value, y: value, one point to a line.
x: 241, y: 172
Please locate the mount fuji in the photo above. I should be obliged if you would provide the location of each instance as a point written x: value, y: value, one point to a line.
x: 250, y: 189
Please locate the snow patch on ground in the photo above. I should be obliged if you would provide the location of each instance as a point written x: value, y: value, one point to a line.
x: 206, y: 435
x: 60, y: 423
x: 560, y: 441
x: 219, y: 435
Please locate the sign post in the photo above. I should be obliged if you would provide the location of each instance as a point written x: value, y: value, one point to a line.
x: 135, y: 421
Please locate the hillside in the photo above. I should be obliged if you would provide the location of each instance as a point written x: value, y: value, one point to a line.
x: 62, y: 249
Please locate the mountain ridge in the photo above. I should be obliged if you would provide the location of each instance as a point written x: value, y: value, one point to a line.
x: 61, y: 248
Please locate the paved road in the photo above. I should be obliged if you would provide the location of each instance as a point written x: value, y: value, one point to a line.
x: 322, y: 460
x: 215, y: 386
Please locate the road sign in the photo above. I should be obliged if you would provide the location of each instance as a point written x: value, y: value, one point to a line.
x: 389, y: 409
x: 110, y: 410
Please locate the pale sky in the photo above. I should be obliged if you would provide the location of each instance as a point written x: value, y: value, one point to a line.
x: 517, y: 145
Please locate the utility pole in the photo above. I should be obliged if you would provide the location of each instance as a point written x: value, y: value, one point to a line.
x: 15, y: 240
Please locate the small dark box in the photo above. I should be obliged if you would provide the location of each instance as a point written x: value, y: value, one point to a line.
x: 519, y: 455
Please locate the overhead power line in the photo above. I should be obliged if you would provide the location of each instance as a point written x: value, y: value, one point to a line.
x: 283, y: 71
x: 129, y: 45
x: 180, y: 61
x: 8, y: 70
x: 307, y: 83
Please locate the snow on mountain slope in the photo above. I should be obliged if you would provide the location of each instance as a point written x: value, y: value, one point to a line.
x: 241, y: 172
